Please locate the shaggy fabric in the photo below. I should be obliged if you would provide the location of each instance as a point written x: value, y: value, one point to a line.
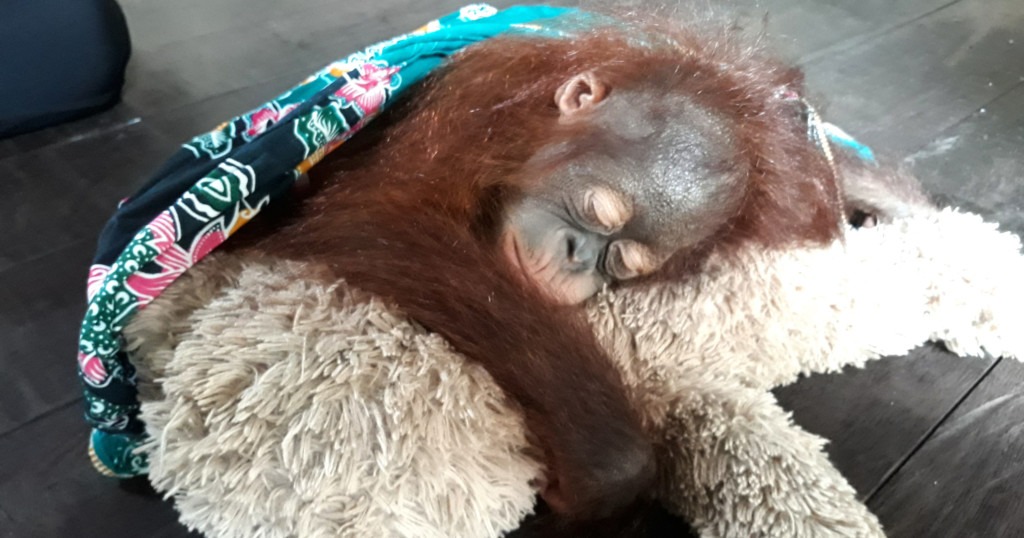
x: 281, y: 403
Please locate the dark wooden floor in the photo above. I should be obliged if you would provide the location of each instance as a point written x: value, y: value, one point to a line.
x: 935, y: 443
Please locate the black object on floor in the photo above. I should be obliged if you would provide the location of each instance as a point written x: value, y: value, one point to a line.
x: 60, y: 61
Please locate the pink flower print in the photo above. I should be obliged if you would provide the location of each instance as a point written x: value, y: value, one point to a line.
x: 206, y: 243
x: 173, y: 262
x: 147, y: 286
x: 369, y: 91
x: 92, y: 368
x: 264, y: 117
x: 164, y: 230
x: 97, y: 274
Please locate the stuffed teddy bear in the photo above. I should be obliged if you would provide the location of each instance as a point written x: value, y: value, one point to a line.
x: 279, y: 402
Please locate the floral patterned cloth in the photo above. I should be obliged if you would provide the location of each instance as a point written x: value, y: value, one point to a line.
x: 221, y: 180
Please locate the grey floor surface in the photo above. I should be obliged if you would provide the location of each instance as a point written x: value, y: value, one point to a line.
x: 934, y: 443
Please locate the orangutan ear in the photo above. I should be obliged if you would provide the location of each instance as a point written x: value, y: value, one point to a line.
x: 580, y: 94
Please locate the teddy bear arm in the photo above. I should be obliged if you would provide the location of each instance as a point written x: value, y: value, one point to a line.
x: 734, y: 464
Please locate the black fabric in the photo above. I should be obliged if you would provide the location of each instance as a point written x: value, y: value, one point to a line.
x: 277, y: 149
x: 60, y: 60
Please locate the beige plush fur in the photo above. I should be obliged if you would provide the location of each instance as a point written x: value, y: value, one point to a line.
x: 279, y: 407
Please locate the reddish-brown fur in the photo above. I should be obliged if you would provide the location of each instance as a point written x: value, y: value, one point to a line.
x: 410, y: 214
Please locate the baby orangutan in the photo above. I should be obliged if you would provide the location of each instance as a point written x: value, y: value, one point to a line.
x: 531, y: 172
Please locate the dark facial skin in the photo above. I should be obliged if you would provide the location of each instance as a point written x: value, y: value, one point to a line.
x: 641, y: 177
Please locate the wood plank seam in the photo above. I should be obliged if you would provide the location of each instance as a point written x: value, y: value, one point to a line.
x: 860, y: 39
x: 945, y: 130
x: 902, y: 462
x: 10, y: 269
x: 44, y: 415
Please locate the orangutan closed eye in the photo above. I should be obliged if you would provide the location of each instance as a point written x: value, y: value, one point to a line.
x: 531, y: 172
